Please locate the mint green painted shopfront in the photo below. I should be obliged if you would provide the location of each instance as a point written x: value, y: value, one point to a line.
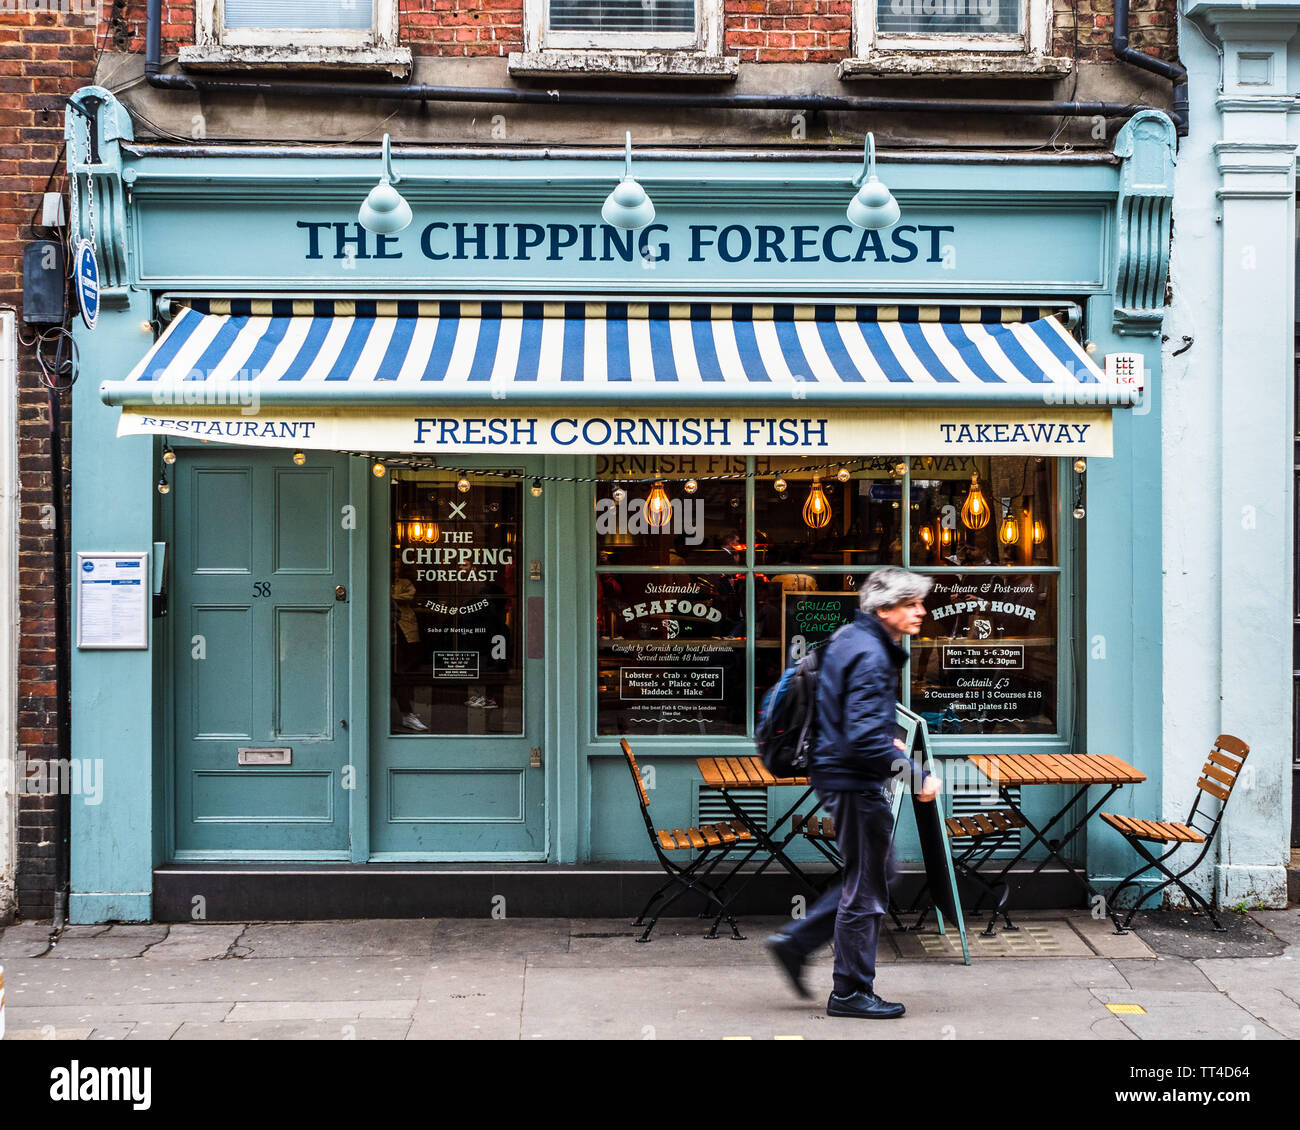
x: 413, y: 578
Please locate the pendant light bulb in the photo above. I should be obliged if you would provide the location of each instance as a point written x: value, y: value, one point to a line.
x: 975, y: 510
x: 463, y: 485
x: 378, y: 469
x: 658, y: 509
x: 945, y: 537
x: 690, y: 486
x: 168, y: 455
x: 536, y: 488
x: 1081, y: 465
x: 1009, y: 531
x: 164, y: 487
x: 1079, y: 512
x: 780, y: 485
x: 843, y: 474
x: 299, y: 458
x: 816, y: 510
x: 927, y: 536
x: 618, y: 494
x: 1040, y: 532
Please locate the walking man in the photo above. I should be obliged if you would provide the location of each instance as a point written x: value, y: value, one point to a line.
x: 852, y: 761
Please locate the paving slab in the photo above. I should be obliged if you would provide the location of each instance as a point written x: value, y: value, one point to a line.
x: 153, y: 1030
x: 27, y: 939
x: 506, y: 937
x: 471, y: 1000
x: 1100, y: 935
x: 321, y: 1010
x: 46, y: 1033
x: 1284, y: 924
x: 403, y: 937
x: 1187, y: 1016
x: 59, y: 1017
x: 297, y: 1030
x: 1174, y: 974
x: 1179, y: 933
x: 131, y: 942
x: 187, y: 942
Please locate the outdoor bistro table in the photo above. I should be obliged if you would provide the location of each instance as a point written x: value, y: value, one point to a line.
x: 1083, y: 770
x: 727, y: 773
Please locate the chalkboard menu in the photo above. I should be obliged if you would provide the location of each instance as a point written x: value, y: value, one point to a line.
x: 807, y: 618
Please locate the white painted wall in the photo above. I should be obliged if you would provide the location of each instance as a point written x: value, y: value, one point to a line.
x: 8, y: 609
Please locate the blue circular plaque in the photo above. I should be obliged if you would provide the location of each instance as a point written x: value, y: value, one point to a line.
x: 86, y: 273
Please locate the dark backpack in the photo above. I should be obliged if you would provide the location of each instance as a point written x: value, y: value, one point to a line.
x: 787, y: 720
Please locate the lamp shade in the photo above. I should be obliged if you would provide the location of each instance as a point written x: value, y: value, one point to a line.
x: 627, y: 207
x: 874, y: 207
x: 384, y: 211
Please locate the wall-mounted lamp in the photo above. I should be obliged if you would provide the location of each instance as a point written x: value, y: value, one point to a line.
x: 384, y: 211
x: 627, y: 207
x: 874, y: 207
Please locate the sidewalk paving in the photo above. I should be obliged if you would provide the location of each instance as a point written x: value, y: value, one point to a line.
x: 1059, y: 977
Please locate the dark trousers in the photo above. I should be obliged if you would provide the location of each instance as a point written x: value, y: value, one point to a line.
x: 852, y: 911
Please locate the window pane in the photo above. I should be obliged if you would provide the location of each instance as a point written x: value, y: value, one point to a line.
x: 863, y: 517
x: 670, y: 653
x: 1010, y: 520
x: 799, y: 610
x: 299, y: 13
x: 703, y: 528
x: 457, y: 663
x: 948, y: 17
x: 623, y: 15
x: 985, y: 661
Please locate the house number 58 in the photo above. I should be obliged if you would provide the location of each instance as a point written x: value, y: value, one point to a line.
x: 261, y: 588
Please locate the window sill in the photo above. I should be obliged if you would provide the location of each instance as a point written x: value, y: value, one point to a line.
x: 395, y: 60
x: 945, y: 64
x: 662, y: 64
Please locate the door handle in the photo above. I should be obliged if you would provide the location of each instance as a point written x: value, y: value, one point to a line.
x: 340, y: 593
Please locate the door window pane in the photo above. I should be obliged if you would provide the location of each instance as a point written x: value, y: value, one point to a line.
x: 985, y: 661
x: 671, y: 653
x: 457, y: 664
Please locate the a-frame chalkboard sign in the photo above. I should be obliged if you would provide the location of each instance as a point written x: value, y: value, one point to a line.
x: 936, y: 851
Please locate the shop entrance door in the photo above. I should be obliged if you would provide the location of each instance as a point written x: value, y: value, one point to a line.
x: 259, y: 614
x: 458, y: 699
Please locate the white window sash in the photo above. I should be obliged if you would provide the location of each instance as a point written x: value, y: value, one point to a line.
x: 707, y: 37
x: 1035, y: 18
x: 211, y: 30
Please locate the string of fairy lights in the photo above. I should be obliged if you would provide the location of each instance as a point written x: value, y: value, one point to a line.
x: 976, y: 511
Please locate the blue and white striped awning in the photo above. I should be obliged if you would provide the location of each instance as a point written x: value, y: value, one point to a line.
x: 605, y: 350
x: 429, y: 361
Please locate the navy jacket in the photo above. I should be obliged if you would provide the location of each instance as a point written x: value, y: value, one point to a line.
x: 857, y: 691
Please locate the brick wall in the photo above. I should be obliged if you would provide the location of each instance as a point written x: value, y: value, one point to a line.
x: 44, y: 56
x: 757, y: 31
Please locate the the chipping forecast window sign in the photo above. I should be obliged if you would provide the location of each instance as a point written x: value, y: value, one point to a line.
x: 808, y: 618
x: 112, y: 601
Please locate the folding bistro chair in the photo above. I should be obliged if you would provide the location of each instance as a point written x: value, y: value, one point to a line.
x: 1218, y: 776
x: 711, y: 842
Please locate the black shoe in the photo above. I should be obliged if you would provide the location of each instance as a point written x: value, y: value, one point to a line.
x: 864, y: 1005
x: 782, y: 948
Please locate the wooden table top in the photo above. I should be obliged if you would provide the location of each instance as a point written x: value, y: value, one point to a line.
x: 741, y: 773
x: 1057, y: 769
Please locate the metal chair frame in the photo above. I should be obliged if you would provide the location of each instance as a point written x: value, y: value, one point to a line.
x: 690, y: 876
x: 1210, y: 783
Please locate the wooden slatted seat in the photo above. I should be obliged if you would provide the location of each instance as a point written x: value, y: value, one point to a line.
x: 1219, y: 774
x: 814, y: 827
x: 706, y: 835
x: 976, y: 825
x: 1155, y: 831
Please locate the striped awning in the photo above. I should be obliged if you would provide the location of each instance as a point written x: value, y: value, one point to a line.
x: 441, y: 358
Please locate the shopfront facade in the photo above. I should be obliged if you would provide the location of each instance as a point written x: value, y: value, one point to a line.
x: 449, y: 512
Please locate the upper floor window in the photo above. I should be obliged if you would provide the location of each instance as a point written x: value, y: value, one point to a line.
x: 954, y: 36
x: 671, y: 38
x: 296, y: 32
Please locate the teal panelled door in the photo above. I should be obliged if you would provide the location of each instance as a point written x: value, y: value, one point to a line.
x: 259, y: 614
x: 457, y: 697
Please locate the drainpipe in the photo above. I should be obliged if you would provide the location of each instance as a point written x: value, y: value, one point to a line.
x: 418, y: 92
x: 1174, y: 71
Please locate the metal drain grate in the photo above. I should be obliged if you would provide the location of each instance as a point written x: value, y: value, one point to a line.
x: 967, y: 799
x: 710, y: 807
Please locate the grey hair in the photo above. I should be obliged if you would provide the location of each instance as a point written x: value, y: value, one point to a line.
x: 887, y: 587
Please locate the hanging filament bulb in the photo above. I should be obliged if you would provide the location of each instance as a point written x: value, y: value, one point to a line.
x: 463, y: 485
x: 536, y: 488
x: 168, y: 455
x: 164, y: 486
x: 900, y: 468
x: 1040, y: 532
x: 1079, y: 511
x: 780, y: 485
x: 816, y: 510
x: 618, y: 494
x: 945, y: 537
x: 975, y: 510
x: 927, y: 536
x: 658, y: 509
x: 843, y: 474
x: 378, y: 469
x: 1080, y: 465
x: 1009, y: 531
x: 299, y: 458
x: 690, y: 486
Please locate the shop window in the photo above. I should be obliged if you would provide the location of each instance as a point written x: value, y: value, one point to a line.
x: 351, y: 33
x: 455, y: 610
x: 740, y: 573
x: 677, y: 38
x: 952, y: 37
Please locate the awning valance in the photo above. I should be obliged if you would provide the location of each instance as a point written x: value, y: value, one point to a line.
x: 414, y: 376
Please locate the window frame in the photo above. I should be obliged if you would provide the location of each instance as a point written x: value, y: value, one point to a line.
x: 212, y: 34
x: 705, y: 40
x: 1036, y: 19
